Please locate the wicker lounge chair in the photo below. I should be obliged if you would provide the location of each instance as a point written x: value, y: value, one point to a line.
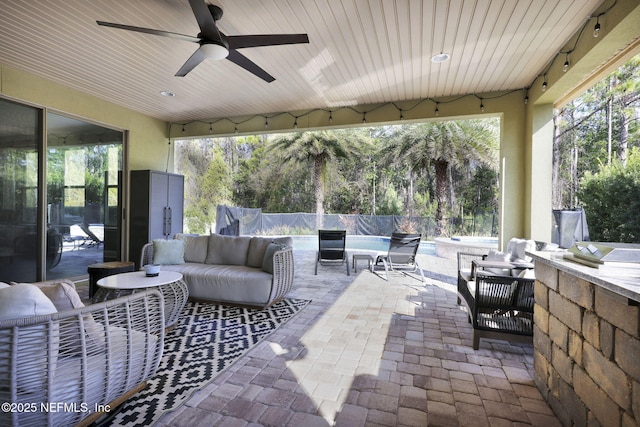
x: 85, y: 358
x: 332, y: 248
x: 401, y: 256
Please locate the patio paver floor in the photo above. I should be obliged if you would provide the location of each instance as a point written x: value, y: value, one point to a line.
x: 367, y: 352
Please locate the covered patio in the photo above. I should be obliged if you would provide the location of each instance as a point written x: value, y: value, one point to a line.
x: 365, y: 351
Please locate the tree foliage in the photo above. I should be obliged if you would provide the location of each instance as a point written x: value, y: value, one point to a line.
x: 611, y: 199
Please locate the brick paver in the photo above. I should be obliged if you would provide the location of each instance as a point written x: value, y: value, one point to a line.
x: 370, y: 352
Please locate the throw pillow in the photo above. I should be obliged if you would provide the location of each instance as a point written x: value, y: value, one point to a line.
x: 65, y: 297
x: 501, y: 257
x: 167, y: 252
x: 267, y: 261
x: 24, y: 300
x: 38, y: 350
x: 62, y: 294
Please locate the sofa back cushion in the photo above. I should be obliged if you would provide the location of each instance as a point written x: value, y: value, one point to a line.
x: 195, y: 247
x: 227, y: 250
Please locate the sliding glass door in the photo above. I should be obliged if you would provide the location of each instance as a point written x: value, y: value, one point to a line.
x: 61, y: 195
x: 20, y: 136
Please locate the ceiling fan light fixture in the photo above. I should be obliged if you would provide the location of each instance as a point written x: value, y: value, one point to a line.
x: 214, y: 51
x: 440, y: 57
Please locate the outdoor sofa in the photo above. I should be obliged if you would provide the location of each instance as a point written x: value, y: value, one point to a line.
x: 237, y: 270
x: 63, y: 364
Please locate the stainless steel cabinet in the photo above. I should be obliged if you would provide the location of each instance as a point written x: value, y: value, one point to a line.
x: 157, y: 204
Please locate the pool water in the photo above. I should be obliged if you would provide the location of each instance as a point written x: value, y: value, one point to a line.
x: 369, y: 243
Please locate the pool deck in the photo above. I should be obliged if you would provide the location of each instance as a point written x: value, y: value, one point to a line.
x: 372, y: 352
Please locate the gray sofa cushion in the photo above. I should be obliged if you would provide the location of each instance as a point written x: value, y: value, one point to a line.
x: 257, y: 248
x: 195, y: 248
x: 267, y: 261
x: 227, y: 283
x: 227, y: 250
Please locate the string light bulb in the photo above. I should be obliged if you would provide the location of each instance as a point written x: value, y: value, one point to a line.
x: 544, y: 83
x: 183, y: 130
x: 210, y: 127
x: 596, y: 28
x: 481, y: 105
x: 364, y: 117
x: 295, y: 123
x: 266, y: 123
x: 437, y: 112
x: 565, y: 67
x: 235, y: 129
x: 401, y: 115
x: 330, y: 117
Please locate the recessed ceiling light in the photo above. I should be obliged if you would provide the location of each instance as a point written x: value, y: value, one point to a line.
x: 441, y: 57
x: 167, y: 93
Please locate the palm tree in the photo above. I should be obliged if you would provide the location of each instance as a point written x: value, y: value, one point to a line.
x: 443, y: 145
x: 319, y: 148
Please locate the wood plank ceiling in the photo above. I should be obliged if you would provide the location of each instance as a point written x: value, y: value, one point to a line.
x: 360, y: 51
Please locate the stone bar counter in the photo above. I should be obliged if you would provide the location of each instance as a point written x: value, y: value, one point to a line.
x: 586, y: 343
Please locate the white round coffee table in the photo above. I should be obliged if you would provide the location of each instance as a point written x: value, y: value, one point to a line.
x: 169, y: 283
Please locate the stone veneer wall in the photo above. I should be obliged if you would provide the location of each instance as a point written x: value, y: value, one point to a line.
x: 586, y: 350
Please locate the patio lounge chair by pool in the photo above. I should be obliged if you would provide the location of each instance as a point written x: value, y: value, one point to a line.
x: 401, y: 256
x: 332, y: 248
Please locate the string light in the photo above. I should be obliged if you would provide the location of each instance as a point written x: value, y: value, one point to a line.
x: 235, y: 129
x: 565, y: 67
x: 183, y: 129
x: 596, y: 28
x: 330, y: 117
x: 437, y: 112
x: 401, y: 115
x: 266, y: 123
x: 481, y: 105
x: 210, y: 127
x: 544, y: 83
x: 364, y: 117
x: 295, y: 122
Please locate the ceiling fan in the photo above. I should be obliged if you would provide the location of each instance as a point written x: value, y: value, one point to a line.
x: 214, y: 44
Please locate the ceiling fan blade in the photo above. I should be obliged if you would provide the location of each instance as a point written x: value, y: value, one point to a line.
x: 205, y: 20
x: 239, y: 42
x: 241, y: 60
x: 191, y: 63
x: 150, y: 31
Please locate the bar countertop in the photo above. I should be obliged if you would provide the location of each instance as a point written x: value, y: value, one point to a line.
x: 628, y: 287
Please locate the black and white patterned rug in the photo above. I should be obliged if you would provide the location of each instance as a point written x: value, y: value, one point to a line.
x: 207, y: 339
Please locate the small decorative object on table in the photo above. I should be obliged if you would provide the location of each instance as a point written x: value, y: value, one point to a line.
x: 152, y: 270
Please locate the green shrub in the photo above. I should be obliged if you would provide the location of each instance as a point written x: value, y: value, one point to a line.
x: 611, y: 199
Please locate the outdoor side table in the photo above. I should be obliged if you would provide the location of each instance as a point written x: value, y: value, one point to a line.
x: 359, y: 257
x: 169, y: 283
x: 104, y: 269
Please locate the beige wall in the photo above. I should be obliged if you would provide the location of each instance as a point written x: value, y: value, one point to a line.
x: 147, y: 145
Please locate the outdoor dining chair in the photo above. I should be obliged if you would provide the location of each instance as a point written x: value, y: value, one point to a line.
x: 401, y: 256
x: 332, y: 248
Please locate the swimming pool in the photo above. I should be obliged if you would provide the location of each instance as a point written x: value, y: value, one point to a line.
x: 366, y: 243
